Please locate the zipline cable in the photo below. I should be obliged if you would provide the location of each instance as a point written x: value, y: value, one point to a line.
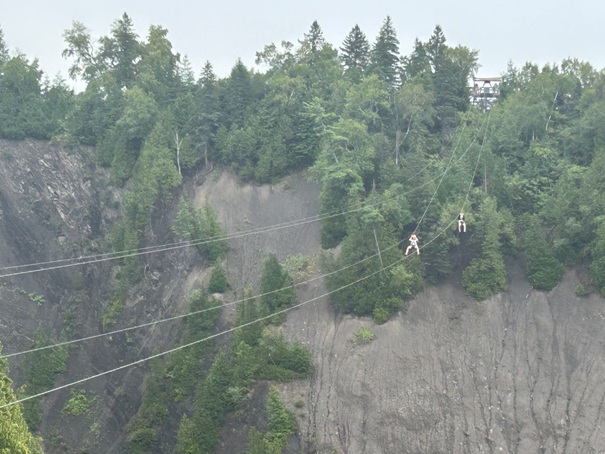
x: 96, y: 258
x: 283, y: 311
x: 180, y: 316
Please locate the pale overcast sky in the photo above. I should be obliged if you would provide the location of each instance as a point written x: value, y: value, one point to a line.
x: 541, y: 31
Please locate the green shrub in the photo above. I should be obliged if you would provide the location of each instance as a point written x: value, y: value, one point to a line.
x: 484, y: 277
x: 381, y: 315
x: 582, y: 290
x: 78, y: 403
x: 364, y: 335
x: 218, y: 280
x: 543, y: 270
x: 142, y: 441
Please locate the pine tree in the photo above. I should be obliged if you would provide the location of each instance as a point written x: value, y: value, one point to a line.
x: 315, y: 38
x: 417, y: 63
x: 247, y: 311
x: 543, y: 270
x: 486, y: 274
x: 237, y: 95
x: 384, y: 58
x: 275, y: 286
x: 208, y: 112
x: 355, y: 53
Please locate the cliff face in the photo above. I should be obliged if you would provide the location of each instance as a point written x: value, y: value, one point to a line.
x: 521, y: 372
x: 518, y: 373
x: 49, y: 210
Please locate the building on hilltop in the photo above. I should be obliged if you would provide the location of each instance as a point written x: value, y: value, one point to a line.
x: 485, y: 91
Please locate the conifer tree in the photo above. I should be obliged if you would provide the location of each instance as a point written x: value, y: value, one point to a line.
x: 207, y: 113
x: 315, y: 38
x: 384, y: 57
x: 246, y: 312
x: 237, y: 94
x: 543, y: 270
x: 275, y: 286
x: 417, y: 63
x: 486, y: 274
x: 355, y: 53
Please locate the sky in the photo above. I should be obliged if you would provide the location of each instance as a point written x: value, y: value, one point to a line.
x: 516, y: 31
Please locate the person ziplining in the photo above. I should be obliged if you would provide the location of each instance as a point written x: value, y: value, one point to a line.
x: 461, y: 223
x: 413, y: 244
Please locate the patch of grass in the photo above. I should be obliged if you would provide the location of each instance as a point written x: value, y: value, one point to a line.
x: 299, y: 266
x: 36, y: 298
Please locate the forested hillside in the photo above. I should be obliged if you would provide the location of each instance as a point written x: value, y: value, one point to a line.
x: 395, y: 146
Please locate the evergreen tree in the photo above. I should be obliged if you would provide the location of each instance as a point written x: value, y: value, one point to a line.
x: 486, y: 274
x: 436, y: 48
x: 22, y: 110
x: 384, y: 57
x: 369, y: 247
x: 207, y: 113
x: 276, y: 286
x: 542, y: 269
x: 237, y: 95
x: 355, y: 53
x: 246, y: 312
x: 315, y: 38
x: 281, y: 423
x: 218, y: 279
x: 417, y: 63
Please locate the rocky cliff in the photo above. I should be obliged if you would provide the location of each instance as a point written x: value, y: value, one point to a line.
x: 518, y: 373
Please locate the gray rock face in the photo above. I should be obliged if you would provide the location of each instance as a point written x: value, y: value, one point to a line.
x: 519, y: 373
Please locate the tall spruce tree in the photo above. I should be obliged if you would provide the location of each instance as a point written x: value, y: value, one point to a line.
x: 207, y: 112
x: 315, y: 38
x: 355, y: 53
x: 384, y: 57
x: 486, y: 274
x: 237, y: 95
x: 275, y: 286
